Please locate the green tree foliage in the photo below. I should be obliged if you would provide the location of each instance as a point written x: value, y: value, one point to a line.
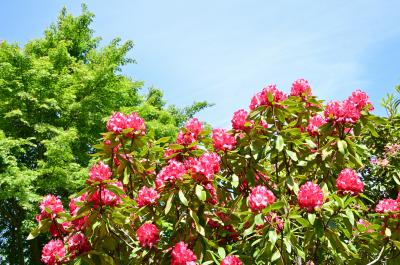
x: 382, y: 170
x: 55, y: 94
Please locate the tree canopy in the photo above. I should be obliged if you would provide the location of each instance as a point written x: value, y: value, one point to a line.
x: 56, y: 92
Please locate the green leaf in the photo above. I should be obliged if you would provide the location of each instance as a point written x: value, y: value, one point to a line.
x: 200, y: 193
x: 342, y: 146
x: 163, y: 140
x: 258, y: 220
x: 221, y: 252
x: 350, y: 215
x: 183, y: 198
x: 199, y: 228
x: 235, y: 181
x: 311, y: 218
x: 292, y: 155
x: 311, y: 144
x: 279, y: 143
x: 169, y: 204
x: 273, y: 237
x: 275, y: 256
x: 388, y: 232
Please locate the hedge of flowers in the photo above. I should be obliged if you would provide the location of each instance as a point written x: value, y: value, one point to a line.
x: 280, y: 187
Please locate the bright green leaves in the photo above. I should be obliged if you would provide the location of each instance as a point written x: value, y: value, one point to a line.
x: 342, y: 146
x: 169, y: 203
x: 279, y: 143
x: 182, y: 198
x: 200, y: 193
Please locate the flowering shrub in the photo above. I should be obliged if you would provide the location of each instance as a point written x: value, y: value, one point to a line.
x: 281, y: 187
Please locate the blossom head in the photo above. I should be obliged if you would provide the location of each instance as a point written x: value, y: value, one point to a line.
x: 239, y: 120
x: 119, y: 122
x: 147, y: 196
x: 205, y: 167
x: 348, y: 181
x: 260, y: 197
x: 53, y: 253
x: 314, y: 124
x: 301, y: 88
x: 387, y: 205
x: 231, y: 260
x: 261, y: 98
x: 78, y: 244
x: 105, y: 196
x: 361, y: 100
x: 73, y: 207
x: 182, y: 255
x: 222, y: 140
x: 99, y: 173
x: 170, y: 173
x: 310, y: 196
x: 148, y: 235
x: 50, y: 206
x: 194, y: 126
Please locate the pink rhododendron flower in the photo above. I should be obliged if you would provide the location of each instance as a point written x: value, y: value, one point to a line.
x: 301, y: 88
x: 53, y: 253
x: 106, y: 197
x: 314, y: 124
x: 231, y: 260
x: 310, y: 196
x: 348, y: 181
x: 261, y: 98
x: 147, y: 196
x: 78, y: 244
x: 194, y: 126
x: 73, y: 208
x: 170, y: 173
x: 342, y: 112
x: 53, y: 206
x: 260, y: 197
x: 361, y: 100
x: 213, y: 193
x: 181, y: 255
x: 99, y: 173
x: 222, y: 140
x: 148, y: 235
x: 119, y: 122
x: 387, y: 205
x: 192, y: 130
x: 58, y: 230
x: 204, y: 167
x: 239, y: 120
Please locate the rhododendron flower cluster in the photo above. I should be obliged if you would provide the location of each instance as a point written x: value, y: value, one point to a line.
x: 181, y: 255
x: 103, y: 196
x: 53, y: 253
x: 239, y: 120
x: 50, y: 207
x: 148, y: 235
x: 74, y: 209
x: 349, y: 110
x: 170, y: 173
x: 204, y: 167
x: 147, y: 196
x: 310, y: 196
x: 261, y: 98
x: 119, y: 122
x: 99, y: 173
x: 301, y: 88
x: 387, y: 205
x: 314, y: 124
x: 78, y: 244
x: 222, y: 140
x: 192, y: 130
x: 260, y: 197
x: 348, y: 181
x: 231, y: 260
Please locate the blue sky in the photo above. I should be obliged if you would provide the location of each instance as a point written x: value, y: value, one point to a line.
x: 225, y: 51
